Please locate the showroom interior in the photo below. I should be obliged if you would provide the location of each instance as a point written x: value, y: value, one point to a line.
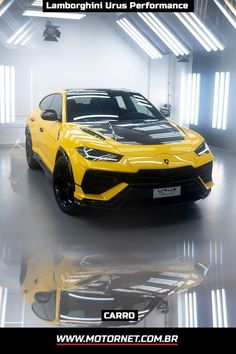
x: 183, y: 60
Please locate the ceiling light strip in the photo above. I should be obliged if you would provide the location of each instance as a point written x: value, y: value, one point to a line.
x: 171, y: 36
x: 26, y: 40
x: 22, y: 36
x: 137, y: 39
x: 226, y: 13
x: 38, y: 3
x: 164, y: 34
x: 159, y: 33
x: 141, y: 45
x: 231, y: 7
x: 148, y: 44
x: 140, y: 40
x: 207, y: 31
x: 200, y: 31
x: 6, y: 7
x: 17, y: 33
x: 69, y: 16
x: 193, y: 31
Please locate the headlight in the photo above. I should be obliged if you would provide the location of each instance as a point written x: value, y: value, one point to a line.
x: 202, y: 149
x: 98, y: 155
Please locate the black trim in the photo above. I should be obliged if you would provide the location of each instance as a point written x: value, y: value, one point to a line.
x: 42, y: 164
x: 136, y: 197
x: 98, y: 182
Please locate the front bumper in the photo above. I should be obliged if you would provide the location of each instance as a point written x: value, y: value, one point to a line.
x: 115, y: 189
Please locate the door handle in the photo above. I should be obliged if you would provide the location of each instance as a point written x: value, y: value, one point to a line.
x: 41, y: 130
x: 32, y: 119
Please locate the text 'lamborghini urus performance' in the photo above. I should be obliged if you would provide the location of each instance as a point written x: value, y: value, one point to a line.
x: 111, y: 148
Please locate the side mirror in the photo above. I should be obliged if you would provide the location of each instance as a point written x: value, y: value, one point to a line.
x: 43, y: 297
x: 49, y: 114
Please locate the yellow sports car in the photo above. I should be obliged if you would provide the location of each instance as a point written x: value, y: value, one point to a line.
x: 106, y: 148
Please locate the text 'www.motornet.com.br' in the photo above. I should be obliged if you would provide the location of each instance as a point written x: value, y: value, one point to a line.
x: 116, y: 339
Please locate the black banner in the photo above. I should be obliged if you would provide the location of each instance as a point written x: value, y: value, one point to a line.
x: 167, y: 340
x: 119, y: 6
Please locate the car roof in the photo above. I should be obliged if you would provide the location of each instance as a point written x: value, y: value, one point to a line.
x: 73, y: 91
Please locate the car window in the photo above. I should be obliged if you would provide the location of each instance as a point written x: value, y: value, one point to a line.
x: 57, y: 104
x: 46, y: 102
x: 114, y: 105
x: 121, y: 102
x: 142, y: 106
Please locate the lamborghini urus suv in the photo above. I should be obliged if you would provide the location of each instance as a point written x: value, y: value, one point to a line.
x: 107, y: 148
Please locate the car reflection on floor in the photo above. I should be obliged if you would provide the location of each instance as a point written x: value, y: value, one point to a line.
x: 69, y: 290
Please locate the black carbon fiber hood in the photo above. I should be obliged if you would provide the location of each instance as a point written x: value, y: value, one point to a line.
x: 137, y: 131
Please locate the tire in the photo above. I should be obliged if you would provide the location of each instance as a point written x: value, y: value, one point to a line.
x: 64, y: 186
x: 31, y: 162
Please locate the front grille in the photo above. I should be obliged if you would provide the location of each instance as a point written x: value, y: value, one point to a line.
x: 97, y: 182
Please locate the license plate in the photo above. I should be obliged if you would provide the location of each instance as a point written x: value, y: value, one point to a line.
x: 166, y: 192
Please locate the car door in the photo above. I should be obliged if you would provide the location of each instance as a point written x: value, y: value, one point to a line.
x: 50, y: 131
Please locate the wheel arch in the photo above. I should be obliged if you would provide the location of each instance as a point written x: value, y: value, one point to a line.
x: 61, y: 153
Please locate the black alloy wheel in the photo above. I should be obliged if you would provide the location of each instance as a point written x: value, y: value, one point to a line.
x: 63, y: 185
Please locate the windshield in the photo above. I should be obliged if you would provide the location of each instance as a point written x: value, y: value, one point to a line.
x: 109, y: 105
x: 87, y: 307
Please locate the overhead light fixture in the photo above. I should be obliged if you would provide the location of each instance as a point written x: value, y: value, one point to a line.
x: 147, y: 47
x: 65, y: 16
x: 17, y: 33
x: 19, y: 37
x: 229, y: 17
x: 38, y: 3
x: 26, y: 39
x: 231, y: 6
x: 164, y: 34
x: 200, y: 31
x: 6, y: 7
x: 7, y: 94
x: 189, y: 98
x: 220, y: 102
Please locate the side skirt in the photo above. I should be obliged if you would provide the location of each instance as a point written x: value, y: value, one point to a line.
x: 48, y: 173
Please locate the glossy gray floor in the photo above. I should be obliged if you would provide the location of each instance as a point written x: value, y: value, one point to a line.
x: 31, y: 225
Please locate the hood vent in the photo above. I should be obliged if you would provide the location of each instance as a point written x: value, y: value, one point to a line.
x: 96, y: 135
